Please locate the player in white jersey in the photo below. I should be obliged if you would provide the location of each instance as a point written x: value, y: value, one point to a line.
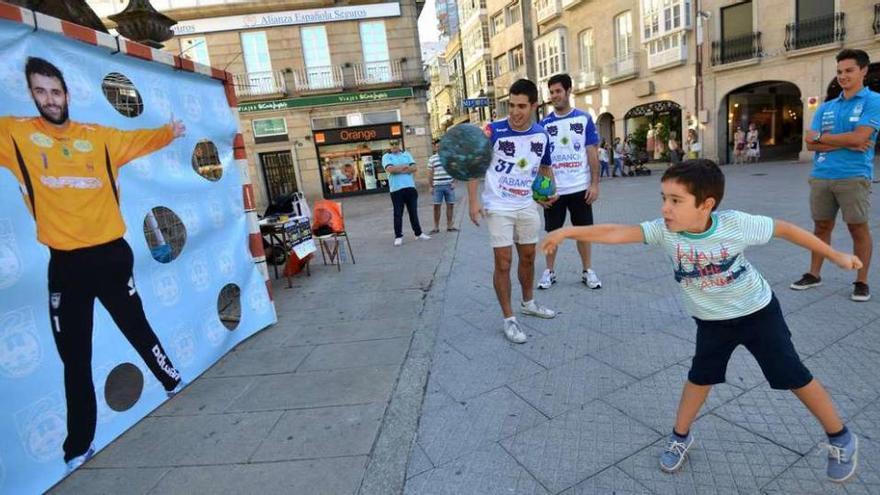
x: 573, y: 140
x: 520, y: 153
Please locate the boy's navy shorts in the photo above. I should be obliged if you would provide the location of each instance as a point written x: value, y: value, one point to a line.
x: 764, y: 333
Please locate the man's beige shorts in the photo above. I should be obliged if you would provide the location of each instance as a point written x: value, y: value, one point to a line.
x: 851, y: 196
x: 509, y: 227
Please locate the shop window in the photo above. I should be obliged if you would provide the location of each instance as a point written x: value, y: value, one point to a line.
x: 165, y: 234
x: 351, y: 158
x: 122, y: 94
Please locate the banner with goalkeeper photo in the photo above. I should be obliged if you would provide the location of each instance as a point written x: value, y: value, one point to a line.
x: 124, y: 263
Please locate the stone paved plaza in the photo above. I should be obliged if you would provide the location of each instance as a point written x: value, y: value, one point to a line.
x: 584, y: 406
x: 393, y: 375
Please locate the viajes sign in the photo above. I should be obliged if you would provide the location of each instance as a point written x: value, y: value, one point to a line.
x: 324, y: 100
x: 287, y: 18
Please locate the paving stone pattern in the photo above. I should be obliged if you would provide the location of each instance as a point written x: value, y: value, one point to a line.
x: 606, y: 374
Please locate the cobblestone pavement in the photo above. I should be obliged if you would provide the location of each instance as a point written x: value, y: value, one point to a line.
x: 584, y: 406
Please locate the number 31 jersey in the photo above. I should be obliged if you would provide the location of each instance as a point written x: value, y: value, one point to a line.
x: 515, y: 161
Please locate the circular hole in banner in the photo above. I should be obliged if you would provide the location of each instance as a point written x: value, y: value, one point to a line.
x: 123, y: 387
x: 122, y: 94
x: 206, y: 160
x: 165, y: 234
x: 229, y: 306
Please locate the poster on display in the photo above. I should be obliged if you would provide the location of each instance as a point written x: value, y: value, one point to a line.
x: 299, y: 231
x: 124, y: 263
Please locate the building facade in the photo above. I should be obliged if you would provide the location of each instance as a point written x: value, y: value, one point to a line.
x: 774, y: 70
x: 651, y: 70
x: 440, y: 96
x: 631, y: 61
x: 510, y: 28
x: 322, y: 89
x: 475, y: 52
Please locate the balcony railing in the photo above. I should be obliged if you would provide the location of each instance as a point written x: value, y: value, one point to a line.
x: 737, y: 49
x: 259, y: 84
x: 318, y: 78
x: 815, y: 32
x: 546, y: 11
x: 587, y: 79
x: 621, y: 68
x: 382, y: 72
x: 877, y: 18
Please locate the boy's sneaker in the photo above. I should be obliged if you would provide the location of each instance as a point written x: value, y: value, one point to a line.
x: 423, y: 237
x: 513, y: 332
x: 843, y: 457
x: 861, y: 292
x: 807, y: 281
x: 398, y: 241
x: 590, y: 278
x: 675, y: 454
x: 533, y: 309
x: 79, y: 460
x: 548, y: 278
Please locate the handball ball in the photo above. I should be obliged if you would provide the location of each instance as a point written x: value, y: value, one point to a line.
x: 465, y: 152
x: 543, y: 188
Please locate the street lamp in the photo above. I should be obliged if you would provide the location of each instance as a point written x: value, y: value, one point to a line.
x: 482, y: 95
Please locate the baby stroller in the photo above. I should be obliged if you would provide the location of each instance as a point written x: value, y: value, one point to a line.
x: 635, y: 163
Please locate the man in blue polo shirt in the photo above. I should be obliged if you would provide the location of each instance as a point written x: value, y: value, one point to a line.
x: 843, y: 134
x: 400, y: 167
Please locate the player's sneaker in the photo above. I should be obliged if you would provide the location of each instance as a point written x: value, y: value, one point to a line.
x: 533, y: 309
x: 807, y: 281
x: 861, y: 292
x: 513, y: 332
x: 675, y: 454
x: 398, y: 241
x: 843, y: 457
x: 548, y: 278
x: 176, y: 390
x: 79, y: 460
x: 591, y: 280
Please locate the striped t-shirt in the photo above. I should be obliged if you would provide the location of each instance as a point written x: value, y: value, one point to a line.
x: 717, y: 280
x: 441, y: 177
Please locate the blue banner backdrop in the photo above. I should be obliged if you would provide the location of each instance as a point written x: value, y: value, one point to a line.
x: 180, y: 298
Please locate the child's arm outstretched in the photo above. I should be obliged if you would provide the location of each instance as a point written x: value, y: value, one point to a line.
x: 603, y: 233
x: 796, y: 235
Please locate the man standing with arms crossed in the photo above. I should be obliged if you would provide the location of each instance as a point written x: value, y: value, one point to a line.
x: 573, y: 140
x: 521, y: 151
x: 400, y: 167
x: 68, y: 173
x: 843, y: 135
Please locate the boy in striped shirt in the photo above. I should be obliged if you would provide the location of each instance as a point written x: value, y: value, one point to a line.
x: 730, y: 300
x: 442, y: 189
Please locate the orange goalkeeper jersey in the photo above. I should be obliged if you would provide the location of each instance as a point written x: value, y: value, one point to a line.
x: 68, y: 176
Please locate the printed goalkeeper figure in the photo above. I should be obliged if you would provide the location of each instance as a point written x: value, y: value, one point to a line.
x: 67, y: 172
